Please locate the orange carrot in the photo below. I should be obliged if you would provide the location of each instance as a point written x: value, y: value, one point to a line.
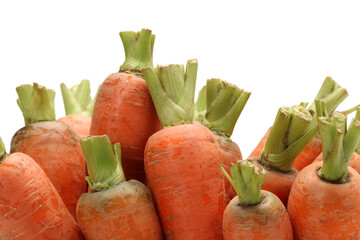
x: 31, y: 208
x: 78, y: 107
x: 116, y: 208
x: 53, y: 145
x: 218, y: 107
x: 253, y: 214
x: 123, y: 108
x: 182, y: 160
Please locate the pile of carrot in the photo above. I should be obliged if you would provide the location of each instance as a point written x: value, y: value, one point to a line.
x: 141, y: 159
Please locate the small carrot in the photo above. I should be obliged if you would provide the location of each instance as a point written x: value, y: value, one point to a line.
x: 123, y: 108
x: 53, y: 145
x: 218, y: 107
x: 78, y: 107
x: 182, y: 160
x: 253, y: 214
x: 31, y: 208
x: 324, y: 202
x: 116, y: 208
x: 332, y: 94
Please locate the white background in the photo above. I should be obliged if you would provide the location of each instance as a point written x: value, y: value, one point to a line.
x: 281, y: 51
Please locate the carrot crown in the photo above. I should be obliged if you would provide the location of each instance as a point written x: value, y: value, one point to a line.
x: 103, y: 162
x: 338, y: 144
x: 246, y: 181
x: 36, y: 103
x: 172, y: 89
x: 2, y: 149
x: 138, y: 47
x: 77, y: 99
x: 219, y: 106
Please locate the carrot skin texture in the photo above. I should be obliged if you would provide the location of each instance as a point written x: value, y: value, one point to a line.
x: 80, y: 123
x: 354, y: 161
x: 125, y: 211
x: 125, y: 112
x: 322, y: 210
x: 31, y: 207
x: 182, y: 164
x: 267, y: 220
x: 56, y: 148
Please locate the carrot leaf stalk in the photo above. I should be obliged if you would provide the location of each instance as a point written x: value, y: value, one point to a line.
x: 2, y: 149
x: 77, y: 99
x: 36, y: 103
x: 246, y: 182
x: 224, y: 104
x: 200, y: 106
x: 103, y: 162
x: 172, y: 89
x: 338, y: 144
x: 289, y: 135
x: 138, y: 47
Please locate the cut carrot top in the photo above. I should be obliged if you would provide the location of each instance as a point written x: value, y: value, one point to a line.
x: 219, y: 105
x: 246, y: 182
x: 138, y: 48
x: 103, y: 162
x: 77, y: 99
x: 2, y: 149
x: 36, y: 103
x: 339, y: 144
x: 172, y: 89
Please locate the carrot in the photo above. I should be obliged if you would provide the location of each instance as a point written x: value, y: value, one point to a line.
x: 53, y: 145
x: 332, y: 94
x: 324, y: 202
x: 31, y: 208
x: 116, y: 208
x: 253, y: 214
x: 218, y: 107
x: 78, y: 107
x: 123, y: 108
x: 182, y: 160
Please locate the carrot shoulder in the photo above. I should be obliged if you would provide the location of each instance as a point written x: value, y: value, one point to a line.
x: 182, y: 160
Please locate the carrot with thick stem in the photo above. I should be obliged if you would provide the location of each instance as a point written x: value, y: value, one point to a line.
x: 31, y: 208
x: 116, y: 208
x: 218, y: 107
x: 78, y: 107
x: 123, y: 108
x: 332, y: 94
x: 253, y: 214
x: 182, y: 160
x: 324, y: 202
x: 53, y: 145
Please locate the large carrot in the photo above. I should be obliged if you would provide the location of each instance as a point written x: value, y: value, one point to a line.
x: 31, y: 208
x: 324, y: 202
x: 116, y: 208
x: 218, y: 107
x: 53, y: 145
x: 253, y: 214
x: 78, y: 107
x: 332, y: 94
x: 123, y: 108
x: 182, y: 160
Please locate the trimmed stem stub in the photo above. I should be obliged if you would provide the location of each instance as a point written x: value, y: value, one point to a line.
x: 223, y: 103
x: 289, y: 135
x: 246, y: 181
x: 2, y: 149
x: 338, y: 144
x: 103, y: 162
x: 138, y: 47
x: 77, y: 99
x: 172, y: 90
x: 36, y: 103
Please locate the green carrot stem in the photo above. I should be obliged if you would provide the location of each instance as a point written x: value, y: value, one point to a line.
x: 103, y: 162
x: 2, y: 149
x: 338, y: 144
x: 172, y: 91
x: 350, y: 110
x: 288, y: 137
x: 200, y: 106
x: 36, y: 103
x: 246, y: 181
x: 138, y: 47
